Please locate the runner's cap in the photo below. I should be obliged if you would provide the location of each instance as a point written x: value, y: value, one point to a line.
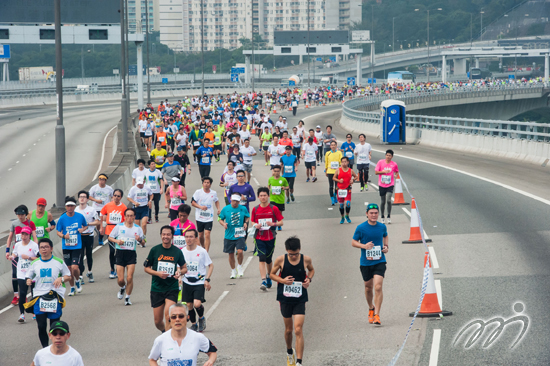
x: 235, y: 197
x: 372, y: 206
x: 41, y: 202
x: 26, y: 230
x: 60, y: 325
x: 102, y: 176
x: 175, y: 179
x: 140, y: 180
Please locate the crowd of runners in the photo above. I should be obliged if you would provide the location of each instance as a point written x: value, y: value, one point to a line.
x: 197, y: 133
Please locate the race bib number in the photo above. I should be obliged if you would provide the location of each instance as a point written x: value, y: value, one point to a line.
x: 40, y: 231
x: 386, y: 179
x: 240, y: 232
x: 334, y: 165
x: 264, y: 223
x: 349, y: 154
x: 294, y: 290
x: 175, y: 201
x: 342, y: 193
x: 25, y: 264
x: 196, y: 143
x: 192, y: 269
x: 243, y: 202
x: 216, y: 139
x: 167, y: 267
x: 115, y: 218
x: 179, y: 241
x: 17, y: 237
x: 310, y: 155
x: 374, y: 254
x: 72, y: 241
x: 128, y: 244
x: 204, y: 215
x: 362, y: 158
x: 288, y: 169
x: 48, y: 306
x: 205, y: 160
x: 276, y: 190
x: 161, y: 138
x: 153, y: 185
x: 160, y: 159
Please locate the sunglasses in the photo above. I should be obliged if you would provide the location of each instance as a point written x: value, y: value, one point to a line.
x: 117, y: 195
x: 177, y: 316
x: 372, y: 206
x: 58, y: 333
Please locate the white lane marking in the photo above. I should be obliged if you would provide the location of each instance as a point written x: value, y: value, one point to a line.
x: 435, y: 263
x: 97, y: 248
x: 24, y: 154
x: 6, y: 308
x: 211, y: 310
x: 255, y: 180
x: 249, y: 259
x: 17, y: 162
x: 434, y: 353
x: 439, y: 294
x: 9, y: 169
x: 375, y: 186
x: 102, y: 153
x: 409, y: 214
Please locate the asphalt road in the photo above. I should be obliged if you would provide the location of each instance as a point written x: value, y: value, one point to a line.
x: 492, y: 249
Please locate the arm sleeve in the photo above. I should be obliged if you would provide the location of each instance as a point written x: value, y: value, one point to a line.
x: 155, y: 351
x: 278, y: 214
x: 252, y: 196
x: 205, y: 345
x: 181, y: 259
x: 357, y: 235
x: 65, y: 270
x: 114, y: 232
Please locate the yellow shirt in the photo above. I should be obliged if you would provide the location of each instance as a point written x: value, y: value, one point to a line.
x: 159, y: 157
x: 331, y: 159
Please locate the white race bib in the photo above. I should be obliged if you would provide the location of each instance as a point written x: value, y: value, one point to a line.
x: 153, y: 185
x: 362, y: 159
x: 204, y: 215
x: 25, y: 264
x: 175, y: 201
x: 217, y: 139
x: 205, y: 160
x: 167, y: 267
x: 72, y: 241
x: 386, y: 179
x: 196, y: 143
x: 334, y: 165
x: 288, y: 169
x: 294, y: 290
x: 179, y: 241
x: 128, y: 244
x: 17, y: 238
x: 342, y: 193
x: 192, y: 269
x: 40, y: 231
x: 349, y: 154
x: 115, y: 218
x: 161, y: 138
x: 310, y: 155
x: 239, y: 232
x: 374, y: 254
x: 48, y: 306
x: 276, y: 190
x: 264, y: 224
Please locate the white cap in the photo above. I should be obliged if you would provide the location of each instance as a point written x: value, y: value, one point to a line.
x: 235, y: 197
x: 175, y: 179
x: 140, y: 180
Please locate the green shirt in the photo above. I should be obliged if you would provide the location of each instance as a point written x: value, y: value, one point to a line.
x: 267, y: 137
x: 167, y: 260
x: 217, y: 137
x: 276, y: 185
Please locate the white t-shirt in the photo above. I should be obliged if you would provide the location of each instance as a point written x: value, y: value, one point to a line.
x: 142, y: 125
x: 183, y: 138
x: 23, y: 265
x: 140, y: 195
x: 123, y: 232
x: 46, y: 273
x: 205, y: 199
x: 295, y: 139
x: 167, y: 349
x: 244, y: 135
x: 319, y: 136
x: 268, y: 125
x: 152, y: 180
x: 90, y: 215
x: 139, y: 173
x: 276, y: 153
x: 362, y: 153
x: 247, y: 154
x: 283, y: 126
x: 309, y: 152
x: 104, y: 194
x: 45, y: 357
x: 197, y: 261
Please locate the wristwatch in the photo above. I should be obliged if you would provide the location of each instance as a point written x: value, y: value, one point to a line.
x: 207, y: 279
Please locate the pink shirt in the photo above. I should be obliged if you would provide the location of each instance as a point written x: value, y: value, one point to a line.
x: 181, y: 229
x: 174, y: 196
x: 386, y: 180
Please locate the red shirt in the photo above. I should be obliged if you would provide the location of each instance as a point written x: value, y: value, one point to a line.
x: 286, y: 142
x: 270, y: 212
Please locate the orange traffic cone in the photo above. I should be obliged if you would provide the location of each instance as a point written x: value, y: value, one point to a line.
x: 415, y: 235
x: 290, y: 109
x: 399, y: 199
x: 430, y: 304
x: 274, y: 110
x: 307, y: 105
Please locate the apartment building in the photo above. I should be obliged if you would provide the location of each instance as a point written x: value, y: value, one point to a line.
x: 137, y: 12
x: 227, y: 21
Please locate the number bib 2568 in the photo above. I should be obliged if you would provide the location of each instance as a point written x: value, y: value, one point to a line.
x: 294, y: 290
x: 48, y: 306
x: 167, y: 267
x: 374, y: 254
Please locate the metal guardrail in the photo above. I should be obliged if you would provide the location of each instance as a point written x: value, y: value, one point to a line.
x: 363, y: 110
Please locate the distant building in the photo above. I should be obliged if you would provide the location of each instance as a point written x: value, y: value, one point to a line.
x: 227, y: 21
x: 134, y: 13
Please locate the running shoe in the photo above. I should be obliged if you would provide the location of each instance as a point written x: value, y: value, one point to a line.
x: 245, y: 248
x: 376, y: 320
x: 100, y: 243
x: 307, y: 180
x: 90, y: 277
x: 156, y: 219
x: 361, y: 190
x: 233, y: 274
x: 382, y: 220
x: 149, y: 221
x: 263, y: 286
x: 288, y: 200
x: 112, y: 275
x: 348, y: 219
x: 389, y: 220
x: 78, y: 286
x: 342, y: 221
x: 266, y: 164
x: 202, y: 324
x: 314, y: 179
x: 34, y: 317
x: 332, y: 200
x: 292, y: 197
x: 194, y: 327
x: 291, y: 359
x: 81, y: 280
x: 21, y: 318
x: 298, y: 364
x: 371, y: 315
x: 279, y: 228
x: 366, y: 187
x: 73, y: 291
x: 120, y: 293
x: 15, y: 300
x: 127, y: 302
x: 240, y: 271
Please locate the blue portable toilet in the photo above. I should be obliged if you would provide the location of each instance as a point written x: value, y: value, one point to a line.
x: 392, y: 122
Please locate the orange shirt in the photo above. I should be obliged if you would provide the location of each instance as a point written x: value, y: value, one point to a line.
x: 210, y: 136
x: 162, y: 137
x: 286, y: 142
x: 114, y: 213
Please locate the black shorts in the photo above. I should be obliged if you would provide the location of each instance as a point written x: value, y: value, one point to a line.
x: 141, y: 212
x: 192, y: 292
x: 142, y: 134
x: 363, y: 166
x: 159, y: 298
x: 183, y: 147
x: 384, y: 190
x: 310, y: 164
x: 296, y: 151
x: 201, y: 226
x: 125, y: 257
x: 71, y: 257
x: 368, y: 272
x: 229, y: 246
x: 264, y: 148
x: 217, y: 147
x: 292, y: 308
x: 280, y: 206
x: 290, y: 181
x: 265, y: 249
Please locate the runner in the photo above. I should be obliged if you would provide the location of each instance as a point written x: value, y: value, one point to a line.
x: 332, y: 163
x: 319, y: 136
x: 289, y: 271
x: 234, y: 218
x: 344, y: 178
x: 265, y: 141
x: 348, y: 149
x: 181, y: 225
x: 363, y: 153
x: 59, y: 353
x: 49, y: 274
x: 266, y: 217
x: 70, y: 226
x: 244, y: 189
x: 182, y: 158
x: 227, y: 180
x: 277, y: 186
x: 24, y: 252
x: 195, y: 139
x: 125, y: 235
x: 309, y: 152
x: 171, y: 169
x: 196, y: 280
x: 175, y: 197
x: 327, y: 138
x: 289, y: 163
x: 297, y: 140
x: 218, y: 136
x: 248, y: 152
x: 189, y: 343
x: 43, y: 220
x: 100, y: 194
x: 111, y: 215
x: 158, y: 155
x: 274, y: 152
x: 155, y: 182
x: 204, y: 153
x: 92, y: 218
x: 236, y: 157
x: 386, y: 169
x: 372, y: 238
x: 165, y: 263
x: 141, y: 197
x: 203, y: 200
x: 140, y: 171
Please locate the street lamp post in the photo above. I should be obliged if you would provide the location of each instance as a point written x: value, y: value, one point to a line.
x: 202, y: 47
x: 123, y: 70
x: 481, y: 12
x: 392, y: 34
x: 428, y: 35
x: 147, y: 45
x: 308, y: 57
x: 60, y: 179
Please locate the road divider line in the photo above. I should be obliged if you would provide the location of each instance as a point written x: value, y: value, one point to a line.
x: 435, y: 263
x: 434, y: 353
x: 375, y: 186
x: 255, y: 180
x: 102, y: 153
x: 248, y: 260
x: 438, y: 291
x: 216, y: 304
x: 409, y: 214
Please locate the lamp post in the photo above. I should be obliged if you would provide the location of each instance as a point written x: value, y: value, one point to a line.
x: 428, y: 35
x: 60, y: 179
x: 202, y: 47
x: 123, y: 69
x: 392, y: 34
x: 481, y: 12
x: 147, y: 46
x: 308, y: 57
